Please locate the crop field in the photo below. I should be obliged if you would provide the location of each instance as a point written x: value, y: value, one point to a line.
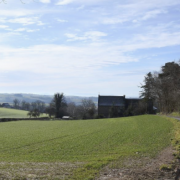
x: 13, y: 113
x: 77, y: 149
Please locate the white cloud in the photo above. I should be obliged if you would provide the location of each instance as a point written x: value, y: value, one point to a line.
x: 20, y: 29
x: 62, y: 20
x: 80, y: 7
x: 136, y: 11
x: 114, y: 20
x: 40, y: 23
x: 26, y: 29
x: 144, y: 5
x: 153, y: 14
x: 23, y: 20
x: 90, y: 35
x: 45, y: 1
x: 16, y: 12
x: 4, y: 37
x: 151, y: 39
x: 2, y: 20
x: 39, y: 58
x: 3, y: 27
x: 32, y: 30
x: 64, y: 2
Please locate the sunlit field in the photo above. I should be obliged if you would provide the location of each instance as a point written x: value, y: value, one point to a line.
x: 14, y: 113
x: 85, y: 145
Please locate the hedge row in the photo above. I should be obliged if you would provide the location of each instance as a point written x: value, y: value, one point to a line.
x: 17, y: 119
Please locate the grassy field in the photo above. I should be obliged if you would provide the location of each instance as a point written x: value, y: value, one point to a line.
x: 13, y: 113
x: 175, y: 114
x: 90, y: 144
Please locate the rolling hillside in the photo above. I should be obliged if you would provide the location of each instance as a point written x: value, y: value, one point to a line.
x: 8, y: 98
x: 13, y: 113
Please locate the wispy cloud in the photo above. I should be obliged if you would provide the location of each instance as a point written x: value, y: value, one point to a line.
x: 64, y: 2
x: 89, y: 57
x: 137, y: 11
x: 45, y: 1
x: 91, y: 35
x: 26, y: 30
x: 153, y: 14
x: 80, y: 7
x: 26, y: 21
x: 62, y: 20
x: 4, y: 27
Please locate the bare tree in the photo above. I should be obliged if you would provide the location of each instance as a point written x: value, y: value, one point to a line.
x: 27, y: 106
x: 50, y: 110
x: 88, y: 108
x: 34, y: 105
x: 23, y: 105
x: 16, y: 103
x: 71, y: 109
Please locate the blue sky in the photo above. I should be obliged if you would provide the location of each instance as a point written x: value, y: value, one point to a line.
x: 85, y: 47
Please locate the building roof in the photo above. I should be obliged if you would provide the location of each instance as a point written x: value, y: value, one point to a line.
x: 5, y: 103
x: 110, y: 100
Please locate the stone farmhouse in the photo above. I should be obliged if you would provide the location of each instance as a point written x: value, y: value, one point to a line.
x: 120, y: 102
x: 6, y: 105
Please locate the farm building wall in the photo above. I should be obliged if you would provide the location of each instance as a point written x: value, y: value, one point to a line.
x: 133, y: 102
x: 121, y: 103
x: 103, y: 111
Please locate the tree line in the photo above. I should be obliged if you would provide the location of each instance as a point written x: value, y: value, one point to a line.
x: 163, y: 88
x: 23, y: 105
x: 58, y: 108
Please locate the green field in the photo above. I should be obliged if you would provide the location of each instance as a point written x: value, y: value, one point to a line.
x: 91, y: 143
x: 13, y: 113
x: 175, y: 114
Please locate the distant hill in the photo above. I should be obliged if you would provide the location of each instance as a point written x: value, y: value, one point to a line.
x: 8, y: 98
x: 15, y: 113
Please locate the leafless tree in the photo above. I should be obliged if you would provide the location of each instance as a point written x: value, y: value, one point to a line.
x: 71, y: 109
x: 16, y: 103
x: 87, y: 108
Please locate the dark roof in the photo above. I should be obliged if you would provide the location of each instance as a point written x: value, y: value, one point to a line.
x: 5, y: 104
x: 110, y: 100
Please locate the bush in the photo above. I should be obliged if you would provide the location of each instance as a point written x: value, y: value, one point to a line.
x: 99, y: 116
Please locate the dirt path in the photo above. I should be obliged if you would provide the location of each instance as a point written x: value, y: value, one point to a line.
x: 144, y: 168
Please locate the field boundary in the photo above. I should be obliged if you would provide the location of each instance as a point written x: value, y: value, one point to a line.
x: 19, y: 119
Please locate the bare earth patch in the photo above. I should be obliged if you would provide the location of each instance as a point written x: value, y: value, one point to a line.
x: 127, y: 169
x: 142, y: 168
x: 31, y: 171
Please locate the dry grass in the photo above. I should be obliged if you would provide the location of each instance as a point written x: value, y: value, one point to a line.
x: 37, y: 170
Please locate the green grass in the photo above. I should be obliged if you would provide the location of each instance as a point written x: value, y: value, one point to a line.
x: 13, y: 113
x: 175, y: 114
x: 92, y: 142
